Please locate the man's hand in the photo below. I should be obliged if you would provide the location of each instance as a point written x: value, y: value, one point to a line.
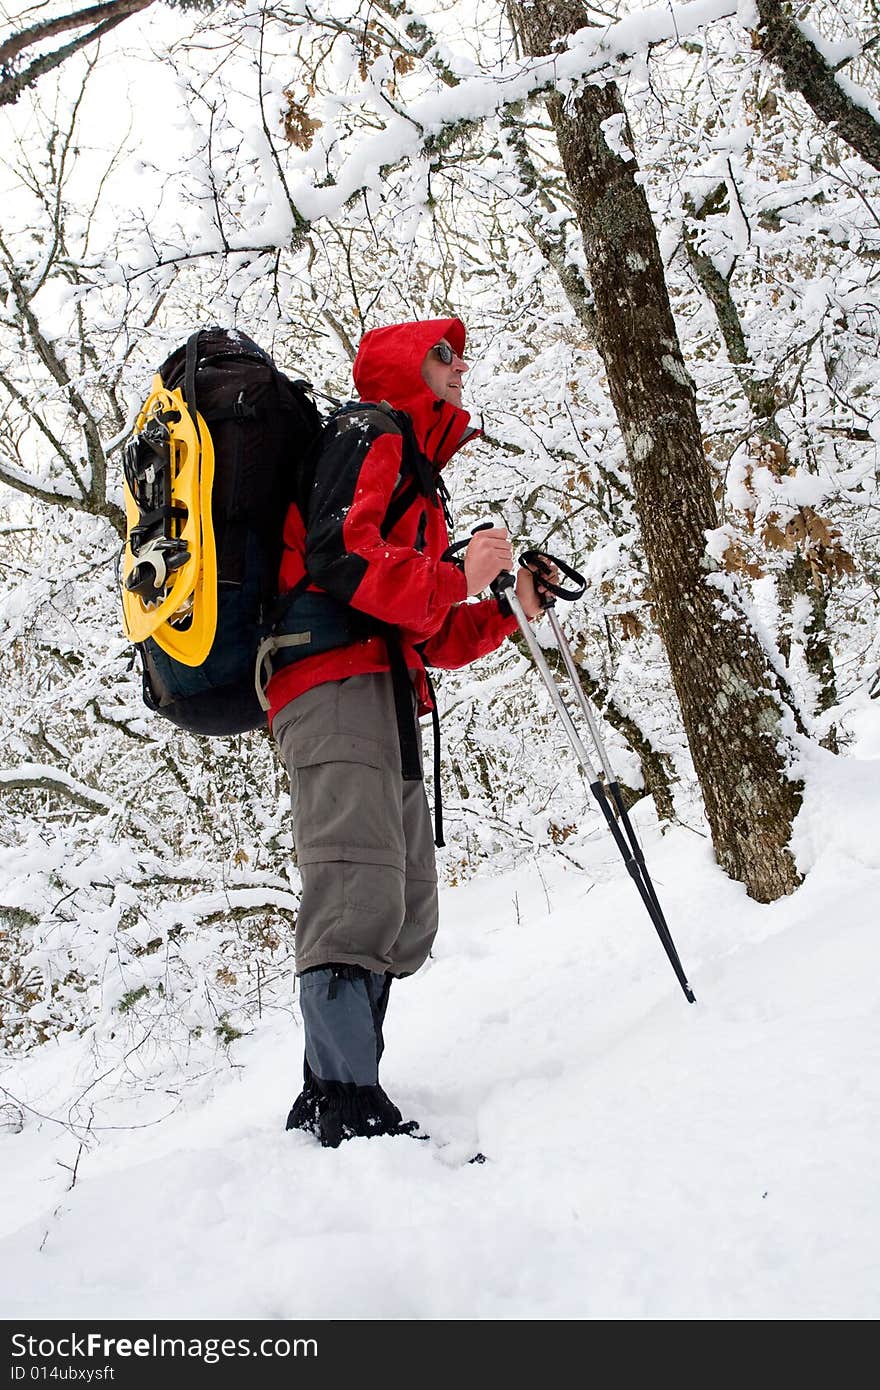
x: 486, y: 556
x: 530, y: 589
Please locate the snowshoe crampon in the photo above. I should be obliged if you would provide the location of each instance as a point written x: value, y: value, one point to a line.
x: 169, y: 586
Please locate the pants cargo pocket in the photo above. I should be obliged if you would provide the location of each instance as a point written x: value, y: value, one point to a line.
x: 346, y: 801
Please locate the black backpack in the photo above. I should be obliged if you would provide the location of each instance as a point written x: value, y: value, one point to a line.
x: 224, y: 443
x: 222, y: 447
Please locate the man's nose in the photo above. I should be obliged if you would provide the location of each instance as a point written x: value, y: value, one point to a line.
x: 459, y: 365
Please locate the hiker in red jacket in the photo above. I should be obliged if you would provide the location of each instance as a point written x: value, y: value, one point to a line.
x: 379, y: 602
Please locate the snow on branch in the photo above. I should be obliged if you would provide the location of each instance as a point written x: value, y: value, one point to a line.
x: 42, y: 777
x: 475, y: 99
x: 228, y: 903
x: 421, y: 127
x: 809, y: 65
x: 96, y: 20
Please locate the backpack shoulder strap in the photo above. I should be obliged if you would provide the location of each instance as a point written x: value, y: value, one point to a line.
x: 421, y: 479
x: 416, y: 474
x: 379, y: 417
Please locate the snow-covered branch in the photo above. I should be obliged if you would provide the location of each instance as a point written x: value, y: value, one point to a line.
x: 586, y: 53
x: 41, y: 778
x: 809, y: 66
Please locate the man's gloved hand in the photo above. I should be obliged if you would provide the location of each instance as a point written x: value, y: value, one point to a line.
x: 489, y: 552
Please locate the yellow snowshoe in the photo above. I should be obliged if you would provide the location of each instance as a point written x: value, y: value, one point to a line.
x: 169, y: 588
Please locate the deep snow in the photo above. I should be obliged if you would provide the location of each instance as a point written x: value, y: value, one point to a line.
x: 647, y: 1158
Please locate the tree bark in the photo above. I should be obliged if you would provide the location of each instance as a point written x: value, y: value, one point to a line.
x: 725, y: 686
x: 804, y: 70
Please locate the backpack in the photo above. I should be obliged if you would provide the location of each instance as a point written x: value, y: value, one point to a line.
x: 222, y: 446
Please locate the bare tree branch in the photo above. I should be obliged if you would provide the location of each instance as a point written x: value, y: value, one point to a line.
x: 48, y: 28
x: 102, y: 18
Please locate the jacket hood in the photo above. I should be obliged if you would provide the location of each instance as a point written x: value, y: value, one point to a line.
x: 388, y: 367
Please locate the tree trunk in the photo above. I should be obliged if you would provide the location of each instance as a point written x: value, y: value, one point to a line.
x: 723, y: 681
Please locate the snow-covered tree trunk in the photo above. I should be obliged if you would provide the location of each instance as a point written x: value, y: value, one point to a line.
x: 725, y: 686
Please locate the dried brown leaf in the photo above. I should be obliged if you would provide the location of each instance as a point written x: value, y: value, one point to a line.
x: 735, y: 560
x: 299, y: 126
x: 631, y: 625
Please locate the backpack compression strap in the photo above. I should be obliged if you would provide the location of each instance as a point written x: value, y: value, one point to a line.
x: 189, y: 377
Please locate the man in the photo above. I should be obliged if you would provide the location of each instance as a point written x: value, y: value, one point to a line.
x: 374, y: 555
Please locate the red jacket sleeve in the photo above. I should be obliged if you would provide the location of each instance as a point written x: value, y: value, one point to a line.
x: 470, y: 631
x: 346, y: 552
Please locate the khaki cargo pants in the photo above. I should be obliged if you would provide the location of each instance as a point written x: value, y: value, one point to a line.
x: 363, y: 836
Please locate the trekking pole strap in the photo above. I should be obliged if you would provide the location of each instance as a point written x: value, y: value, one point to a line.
x: 452, y: 550
x: 539, y: 560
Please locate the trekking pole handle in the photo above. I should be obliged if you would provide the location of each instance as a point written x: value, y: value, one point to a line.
x: 530, y: 559
x: 452, y: 550
x: 502, y: 581
x: 500, y: 587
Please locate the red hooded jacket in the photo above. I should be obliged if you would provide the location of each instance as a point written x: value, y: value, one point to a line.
x: 398, y: 577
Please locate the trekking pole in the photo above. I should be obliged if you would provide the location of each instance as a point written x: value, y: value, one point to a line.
x: 532, y: 557
x: 630, y: 849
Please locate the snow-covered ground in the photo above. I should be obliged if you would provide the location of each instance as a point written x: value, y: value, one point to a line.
x: 646, y: 1158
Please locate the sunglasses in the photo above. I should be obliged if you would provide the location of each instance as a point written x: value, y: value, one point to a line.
x: 445, y: 353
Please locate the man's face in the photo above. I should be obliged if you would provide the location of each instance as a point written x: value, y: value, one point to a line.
x: 444, y: 378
